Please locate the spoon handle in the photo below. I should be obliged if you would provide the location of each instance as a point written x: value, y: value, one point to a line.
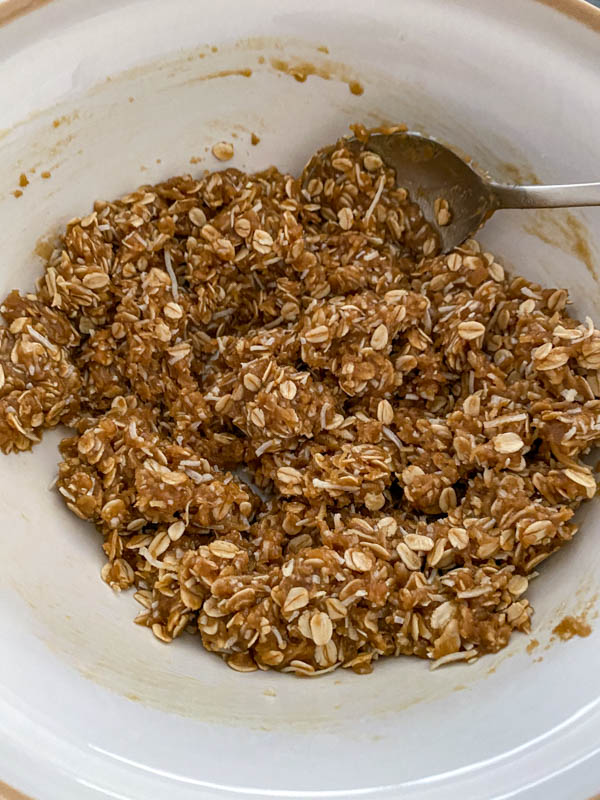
x: 563, y: 196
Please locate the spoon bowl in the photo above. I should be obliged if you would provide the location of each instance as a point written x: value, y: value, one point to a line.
x: 432, y: 172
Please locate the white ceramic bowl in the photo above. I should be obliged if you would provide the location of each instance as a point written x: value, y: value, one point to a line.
x: 92, y: 706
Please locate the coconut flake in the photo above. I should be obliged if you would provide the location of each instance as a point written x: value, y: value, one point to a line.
x: 264, y: 447
x: 143, y: 551
x: 198, y: 477
x: 462, y: 655
x: 41, y: 339
x: 392, y: 436
x: 375, y: 199
x: 172, y: 276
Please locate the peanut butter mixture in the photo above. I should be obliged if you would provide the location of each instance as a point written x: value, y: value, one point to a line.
x: 303, y: 435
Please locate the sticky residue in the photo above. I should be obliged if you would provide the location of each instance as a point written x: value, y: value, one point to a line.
x: 23, y: 180
x: 10, y: 11
x: 564, y: 230
x: 46, y: 174
x: 301, y: 70
x: 532, y: 645
x: 45, y: 246
x: 9, y: 793
x: 362, y: 133
x: 65, y: 119
x: 570, y: 627
x: 322, y: 48
x: 18, y: 193
x: 254, y: 139
x: 223, y: 73
x: 517, y: 174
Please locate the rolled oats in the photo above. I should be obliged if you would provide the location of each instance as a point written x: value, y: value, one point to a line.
x: 442, y: 212
x: 223, y: 151
x: 470, y: 330
x: 298, y: 428
x: 507, y: 442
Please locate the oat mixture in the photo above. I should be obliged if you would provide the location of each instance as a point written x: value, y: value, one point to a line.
x: 304, y: 435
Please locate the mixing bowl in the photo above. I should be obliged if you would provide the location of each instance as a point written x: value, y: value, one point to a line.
x: 99, y: 96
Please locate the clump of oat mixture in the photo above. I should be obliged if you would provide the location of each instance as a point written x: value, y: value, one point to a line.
x: 302, y: 433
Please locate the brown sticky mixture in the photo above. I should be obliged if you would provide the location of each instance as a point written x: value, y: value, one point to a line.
x: 569, y: 627
x: 303, y: 433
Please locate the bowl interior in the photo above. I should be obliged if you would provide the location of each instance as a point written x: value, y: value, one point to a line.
x: 106, y: 96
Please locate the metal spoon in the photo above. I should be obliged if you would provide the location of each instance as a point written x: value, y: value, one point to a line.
x: 430, y: 171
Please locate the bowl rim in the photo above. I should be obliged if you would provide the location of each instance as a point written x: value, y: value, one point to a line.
x: 581, y: 11
x: 578, y: 11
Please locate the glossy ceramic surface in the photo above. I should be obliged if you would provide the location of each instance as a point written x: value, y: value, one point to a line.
x: 108, y: 95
